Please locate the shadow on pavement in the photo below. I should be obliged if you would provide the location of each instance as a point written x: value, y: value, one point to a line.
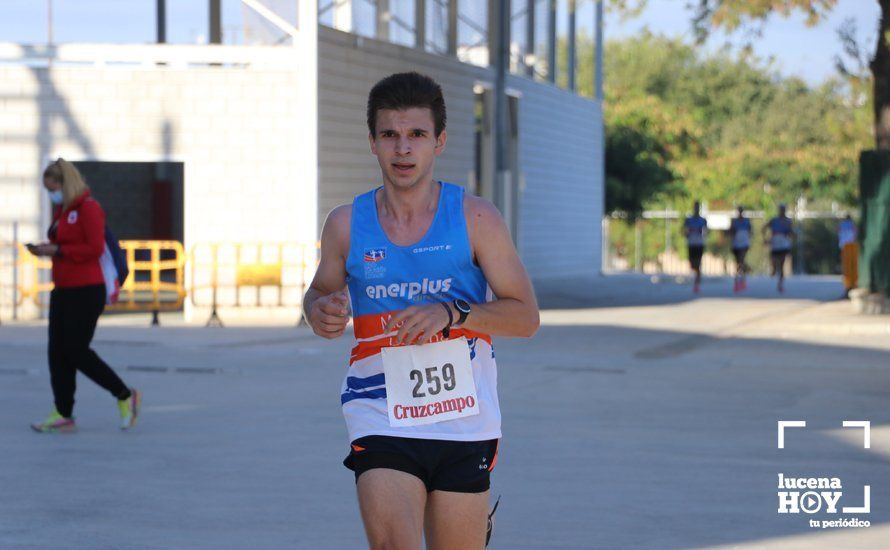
x: 623, y: 290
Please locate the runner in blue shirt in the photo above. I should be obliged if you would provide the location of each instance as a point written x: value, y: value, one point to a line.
x: 782, y: 233
x: 695, y: 228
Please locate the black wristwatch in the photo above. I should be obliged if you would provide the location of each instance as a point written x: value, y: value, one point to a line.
x: 463, y: 310
x: 446, y: 332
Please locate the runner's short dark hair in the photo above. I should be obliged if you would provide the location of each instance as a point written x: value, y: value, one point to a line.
x: 402, y: 91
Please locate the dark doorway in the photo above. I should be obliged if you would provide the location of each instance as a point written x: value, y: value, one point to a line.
x: 142, y: 200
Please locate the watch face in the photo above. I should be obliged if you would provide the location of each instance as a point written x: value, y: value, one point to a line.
x: 462, y: 305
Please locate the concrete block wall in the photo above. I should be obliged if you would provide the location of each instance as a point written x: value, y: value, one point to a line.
x: 348, y: 67
x: 561, y: 158
x: 246, y: 137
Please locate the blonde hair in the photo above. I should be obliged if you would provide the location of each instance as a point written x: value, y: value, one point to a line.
x: 72, y: 182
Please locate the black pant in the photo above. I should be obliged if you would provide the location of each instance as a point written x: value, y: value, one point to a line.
x: 73, y: 314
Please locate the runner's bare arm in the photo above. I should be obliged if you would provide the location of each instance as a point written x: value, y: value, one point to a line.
x: 325, y: 305
x: 514, y: 312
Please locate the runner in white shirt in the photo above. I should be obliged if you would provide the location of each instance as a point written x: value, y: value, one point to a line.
x: 781, y: 233
x: 418, y: 258
x: 740, y: 231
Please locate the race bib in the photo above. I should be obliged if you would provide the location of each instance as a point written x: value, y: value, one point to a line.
x: 429, y: 383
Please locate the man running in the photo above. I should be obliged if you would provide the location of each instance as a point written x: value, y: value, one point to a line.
x: 782, y: 232
x: 740, y: 231
x: 419, y: 397
x: 695, y: 228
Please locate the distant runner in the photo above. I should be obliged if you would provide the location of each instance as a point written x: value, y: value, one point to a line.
x: 740, y: 232
x: 781, y: 234
x: 696, y: 228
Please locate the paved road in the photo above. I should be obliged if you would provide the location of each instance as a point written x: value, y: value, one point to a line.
x: 638, y: 417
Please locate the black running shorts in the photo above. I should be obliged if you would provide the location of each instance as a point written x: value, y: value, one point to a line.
x: 456, y: 466
x: 695, y: 254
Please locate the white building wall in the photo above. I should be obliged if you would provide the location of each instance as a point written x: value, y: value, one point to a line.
x: 246, y: 135
x: 561, y: 204
x: 349, y: 66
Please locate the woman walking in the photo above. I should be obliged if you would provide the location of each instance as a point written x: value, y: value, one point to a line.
x: 76, y: 242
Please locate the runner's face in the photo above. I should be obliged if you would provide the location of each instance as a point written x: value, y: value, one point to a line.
x: 406, y: 145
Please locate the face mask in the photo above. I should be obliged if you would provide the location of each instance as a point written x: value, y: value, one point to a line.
x: 56, y: 196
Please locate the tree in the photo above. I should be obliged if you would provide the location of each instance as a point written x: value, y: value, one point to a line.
x: 750, y: 15
x: 644, y: 136
x: 684, y: 124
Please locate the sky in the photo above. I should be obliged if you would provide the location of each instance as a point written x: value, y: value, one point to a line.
x: 795, y: 48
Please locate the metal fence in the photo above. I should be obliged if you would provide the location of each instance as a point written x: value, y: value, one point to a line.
x: 230, y: 275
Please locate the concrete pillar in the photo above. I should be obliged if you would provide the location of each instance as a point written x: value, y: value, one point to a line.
x: 530, y: 36
x: 452, y: 27
x: 383, y: 18
x: 598, y: 70
x: 551, y: 41
x: 570, y: 66
x: 215, y: 22
x: 161, y: 16
x: 420, y: 24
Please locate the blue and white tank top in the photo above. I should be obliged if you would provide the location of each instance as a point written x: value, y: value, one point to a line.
x: 780, y: 241
x: 385, y: 278
x: 696, y: 226
x: 741, y: 237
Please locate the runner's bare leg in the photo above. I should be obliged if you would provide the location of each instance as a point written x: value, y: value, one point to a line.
x: 456, y: 520
x: 392, y: 505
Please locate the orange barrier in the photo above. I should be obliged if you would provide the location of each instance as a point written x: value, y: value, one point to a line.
x: 249, y: 275
x: 222, y: 275
x: 35, y: 280
x: 10, y: 276
x: 164, y: 289
x: 155, y: 284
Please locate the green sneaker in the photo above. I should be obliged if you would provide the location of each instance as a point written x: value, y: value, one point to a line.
x: 129, y: 409
x: 55, y: 423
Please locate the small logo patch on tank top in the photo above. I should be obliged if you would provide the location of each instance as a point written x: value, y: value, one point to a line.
x: 375, y: 254
x: 374, y: 257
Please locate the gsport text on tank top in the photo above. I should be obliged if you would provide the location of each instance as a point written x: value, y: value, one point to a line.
x: 383, y: 279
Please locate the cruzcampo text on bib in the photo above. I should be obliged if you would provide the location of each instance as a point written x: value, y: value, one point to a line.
x: 429, y: 383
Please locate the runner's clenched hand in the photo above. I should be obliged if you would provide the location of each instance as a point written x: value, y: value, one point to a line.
x: 329, y: 315
x: 419, y: 324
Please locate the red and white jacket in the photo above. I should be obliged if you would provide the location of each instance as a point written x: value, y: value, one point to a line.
x: 79, y: 230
